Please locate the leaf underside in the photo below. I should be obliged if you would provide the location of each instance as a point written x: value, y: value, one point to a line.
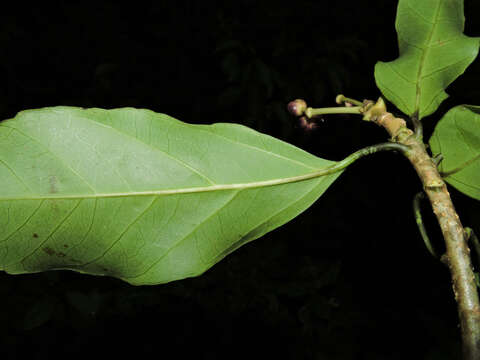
x: 457, y: 138
x: 433, y: 53
x: 141, y: 196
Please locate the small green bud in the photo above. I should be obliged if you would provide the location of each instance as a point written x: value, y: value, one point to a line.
x: 297, y: 107
x: 373, y: 111
x: 308, y: 112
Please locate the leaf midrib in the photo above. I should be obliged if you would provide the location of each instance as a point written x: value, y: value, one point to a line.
x: 213, y: 187
x: 199, y: 189
x: 422, y: 60
x: 166, y: 192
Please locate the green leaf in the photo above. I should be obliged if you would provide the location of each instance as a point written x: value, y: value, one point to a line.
x: 141, y: 196
x: 457, y: 138
x: 433, y: 53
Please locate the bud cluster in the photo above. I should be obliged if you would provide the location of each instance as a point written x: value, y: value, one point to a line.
x: 299, y: 108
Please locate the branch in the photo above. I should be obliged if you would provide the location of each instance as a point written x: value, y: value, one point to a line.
x: 457, y: 255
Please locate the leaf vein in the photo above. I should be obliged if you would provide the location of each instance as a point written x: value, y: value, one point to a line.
x: 15, y: 175
x: 181, y: 162
x: 179, y: 242
x: 24, y: 223
x: 62, y: 221
x: 89, y: 228
x: 400, y: 75
x: 419, y: 15
x: 445, y: 68
x: 238, y: 186
x: 423, y: 59
x: 56, y: 156
x: 393, y: 95
x: 293, y: 202
x: 256, y: 148
x: 134, y: 221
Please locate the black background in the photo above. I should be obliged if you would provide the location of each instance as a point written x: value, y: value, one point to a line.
x: 350, y: 278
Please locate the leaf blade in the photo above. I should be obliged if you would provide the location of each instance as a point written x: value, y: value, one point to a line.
x: 141, y: 196
x: 433, y: 53
x: 457, y: 138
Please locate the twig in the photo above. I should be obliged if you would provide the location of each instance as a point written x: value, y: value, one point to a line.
x: 457, y: 254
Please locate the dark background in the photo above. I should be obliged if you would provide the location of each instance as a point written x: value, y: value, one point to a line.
x: 348, y: 279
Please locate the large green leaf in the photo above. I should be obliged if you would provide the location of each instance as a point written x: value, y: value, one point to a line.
x: 141, y: 196
x: 457, y: 138
x: 433, y: 53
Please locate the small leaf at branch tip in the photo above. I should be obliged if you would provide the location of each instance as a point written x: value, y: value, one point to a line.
x: 297, y: 107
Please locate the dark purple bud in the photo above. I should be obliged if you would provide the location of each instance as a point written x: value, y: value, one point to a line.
x: 307, y: 125
x: 297, y: 107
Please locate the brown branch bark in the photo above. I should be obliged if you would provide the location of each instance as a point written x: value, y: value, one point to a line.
x: 457, y: 251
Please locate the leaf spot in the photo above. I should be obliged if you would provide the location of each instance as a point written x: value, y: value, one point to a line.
x: 52, y: 252
x: 53, y: 184
x: 49, y: 251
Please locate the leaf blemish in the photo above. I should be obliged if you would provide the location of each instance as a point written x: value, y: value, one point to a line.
x: 49, y: 251
x: 52, y: 252
x: 35, y: 235
x: 53, y: 184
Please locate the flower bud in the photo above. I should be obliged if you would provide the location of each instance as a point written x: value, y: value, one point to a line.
x: 339, y: 99
x: 307, y: 125
x: 297, y: 107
